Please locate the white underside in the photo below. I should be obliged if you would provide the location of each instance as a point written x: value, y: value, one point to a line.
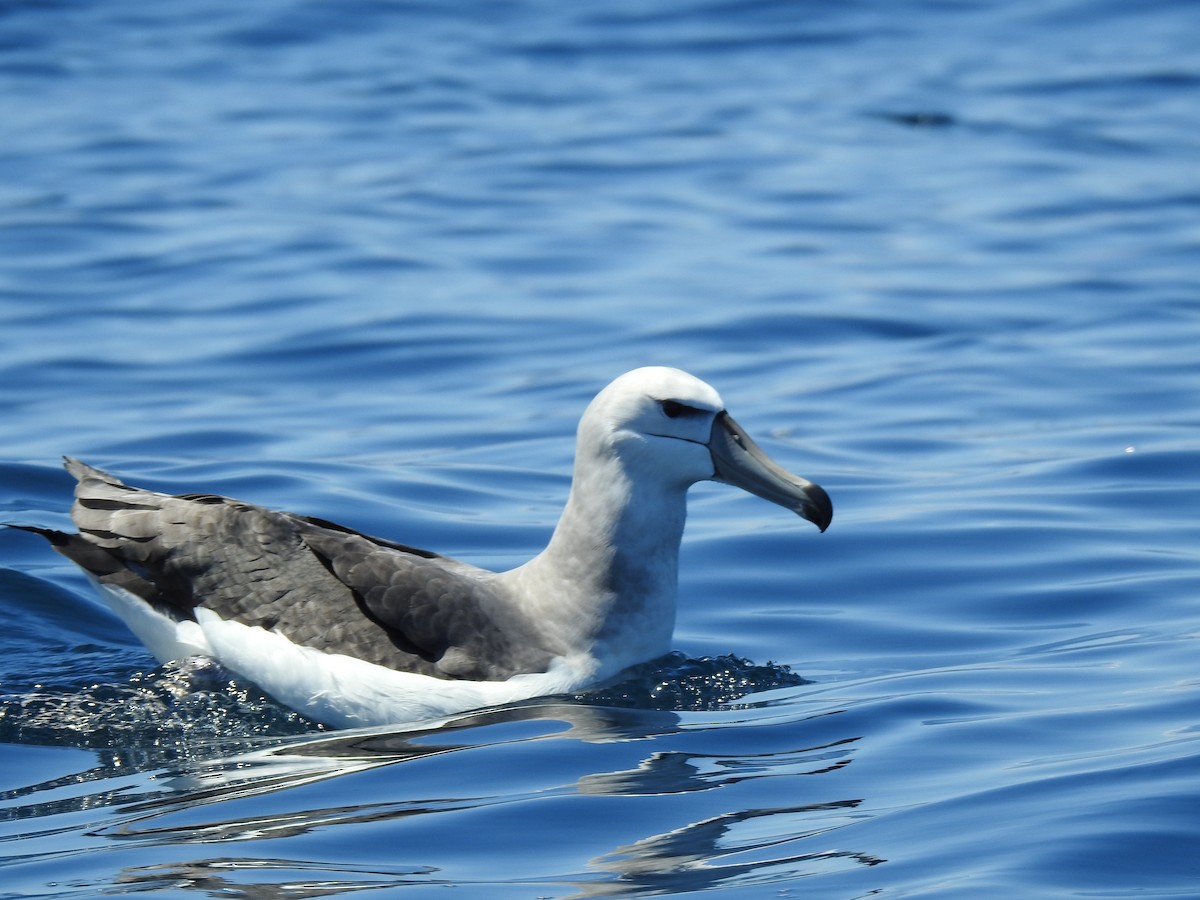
x: 331, y: 688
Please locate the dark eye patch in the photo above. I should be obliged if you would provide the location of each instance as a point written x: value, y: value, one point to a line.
x: 673, y: 409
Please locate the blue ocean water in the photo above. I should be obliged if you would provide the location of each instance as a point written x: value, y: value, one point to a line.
x: 368, y: 261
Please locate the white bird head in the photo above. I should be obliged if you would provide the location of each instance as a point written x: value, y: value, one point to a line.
x: 669, y: 426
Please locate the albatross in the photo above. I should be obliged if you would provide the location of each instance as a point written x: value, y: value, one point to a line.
x: 354, y: 630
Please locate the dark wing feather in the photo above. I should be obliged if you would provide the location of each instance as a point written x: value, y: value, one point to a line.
x: 237, y: 559
x: 432, y: 607
x: 319, y: 584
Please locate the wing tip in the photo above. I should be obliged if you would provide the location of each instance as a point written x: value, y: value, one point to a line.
x: 81, y: 471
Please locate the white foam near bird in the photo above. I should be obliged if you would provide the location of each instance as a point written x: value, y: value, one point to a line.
x: 354, y: 630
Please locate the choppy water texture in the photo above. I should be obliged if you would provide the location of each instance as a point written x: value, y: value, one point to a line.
x: 369, y: 260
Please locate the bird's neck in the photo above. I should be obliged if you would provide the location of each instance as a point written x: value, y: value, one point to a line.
x: 608, y: 578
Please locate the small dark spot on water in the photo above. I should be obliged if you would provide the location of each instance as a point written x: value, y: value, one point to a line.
x: 921, y: 119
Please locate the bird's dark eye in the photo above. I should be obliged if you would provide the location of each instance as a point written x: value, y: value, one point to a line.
x: 673, y: 409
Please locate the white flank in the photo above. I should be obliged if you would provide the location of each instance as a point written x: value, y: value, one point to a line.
x: 167, y: 638
x: 345, y: 692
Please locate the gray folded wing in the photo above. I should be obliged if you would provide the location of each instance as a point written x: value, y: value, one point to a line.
x: 319, y: 584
